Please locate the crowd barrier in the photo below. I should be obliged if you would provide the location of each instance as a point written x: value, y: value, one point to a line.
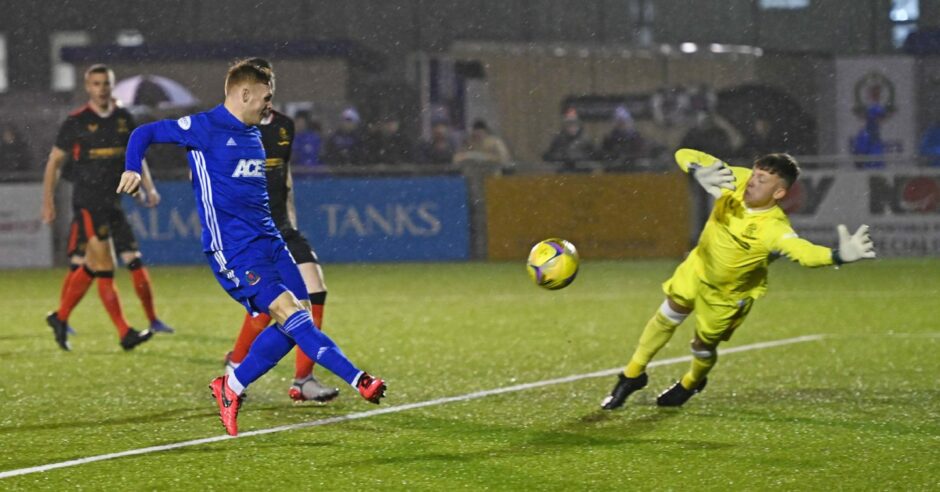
x: 455, y: 213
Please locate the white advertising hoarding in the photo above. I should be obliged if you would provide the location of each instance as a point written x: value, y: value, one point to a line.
x: 24, y: 240
x: 902, y: 207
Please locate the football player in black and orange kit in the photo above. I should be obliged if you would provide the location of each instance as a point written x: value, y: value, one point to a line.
x: 277, y: 137
x: 91, y: 142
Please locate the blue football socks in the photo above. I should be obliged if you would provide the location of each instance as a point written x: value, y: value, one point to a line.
x: 318, y: 346
x: 270, y: 347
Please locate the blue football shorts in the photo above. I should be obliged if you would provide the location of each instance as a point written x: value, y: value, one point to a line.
x: 258, y: 273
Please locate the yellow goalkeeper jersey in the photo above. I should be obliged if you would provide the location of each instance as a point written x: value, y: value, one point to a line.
x: 737, y: 244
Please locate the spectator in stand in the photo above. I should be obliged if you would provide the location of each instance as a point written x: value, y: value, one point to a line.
x: 388, y: 145
x: 307, y: 140
x: 570, y: 145
x: 345, y: 145
x: 708, y: 136
x: 623, y: 144
x: 440, y: 149
x: 14, y: 152
x: 482, y: 145
x: 761, y: 140
x: 930, y: 145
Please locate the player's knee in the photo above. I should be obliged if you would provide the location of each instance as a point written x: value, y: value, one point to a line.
x: 132, y: 259
x: 702, y: 351
x: 284, y: 306
x: 677, y: 316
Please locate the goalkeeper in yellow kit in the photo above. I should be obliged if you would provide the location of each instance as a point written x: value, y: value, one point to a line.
x: 727, y: 270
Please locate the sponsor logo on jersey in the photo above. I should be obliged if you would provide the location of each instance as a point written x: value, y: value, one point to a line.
x: 249, y: 168
x: 231, y: 142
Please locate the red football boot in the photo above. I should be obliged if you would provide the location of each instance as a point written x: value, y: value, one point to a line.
x: 372, y: 389
x: 228, y: 403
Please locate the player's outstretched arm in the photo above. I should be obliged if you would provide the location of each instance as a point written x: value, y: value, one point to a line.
x: 853, y: 247
x: 710, y: 172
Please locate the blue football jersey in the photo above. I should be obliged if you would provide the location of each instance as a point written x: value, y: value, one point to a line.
x: 227, y: 162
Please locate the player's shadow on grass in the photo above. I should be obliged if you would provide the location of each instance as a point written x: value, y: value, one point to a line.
x: 510, y: 440
x: 175, y: 415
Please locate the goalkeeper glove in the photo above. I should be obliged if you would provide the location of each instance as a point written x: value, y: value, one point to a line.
x: 853, y: 247
x: 713, y: 178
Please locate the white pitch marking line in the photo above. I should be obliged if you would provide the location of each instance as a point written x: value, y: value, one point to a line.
x: 394, y: 409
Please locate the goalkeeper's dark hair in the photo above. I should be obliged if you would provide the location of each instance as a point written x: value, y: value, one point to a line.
x: 783, y: 165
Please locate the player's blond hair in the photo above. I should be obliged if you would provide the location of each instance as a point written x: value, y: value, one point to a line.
x: 245, y: 72
x: 100, y: 68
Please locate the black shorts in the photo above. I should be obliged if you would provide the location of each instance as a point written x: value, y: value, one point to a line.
x: 103, y: 224
x: 299, y: 247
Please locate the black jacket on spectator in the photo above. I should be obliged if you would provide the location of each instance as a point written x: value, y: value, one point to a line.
x: 437, y: 152
x: 569, y: 148
x: 343, y: 147
x: 396, y: 148
x: 622, y: 145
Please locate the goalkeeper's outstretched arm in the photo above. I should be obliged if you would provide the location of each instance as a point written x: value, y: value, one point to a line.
x: 851, y: 248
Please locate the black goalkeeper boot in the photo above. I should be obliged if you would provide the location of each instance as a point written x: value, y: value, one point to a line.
x: 676, y: 395
x: 624, y: 387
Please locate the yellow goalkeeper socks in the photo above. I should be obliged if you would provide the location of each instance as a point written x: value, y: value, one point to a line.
x: 698, y: 371
x: 658, y: 331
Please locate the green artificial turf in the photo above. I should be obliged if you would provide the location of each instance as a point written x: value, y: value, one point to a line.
x: 856, y: 410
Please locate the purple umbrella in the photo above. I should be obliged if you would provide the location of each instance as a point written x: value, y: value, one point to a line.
x: 155, y: 91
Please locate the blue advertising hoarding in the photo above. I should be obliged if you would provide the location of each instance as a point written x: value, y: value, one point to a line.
x: 345, y: 219
x: 385, y: 219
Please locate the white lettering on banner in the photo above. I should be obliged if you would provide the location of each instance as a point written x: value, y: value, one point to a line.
x: 178, y: 227
x: 249, y: 168
x: 395, y: 220
x: 902, y: 208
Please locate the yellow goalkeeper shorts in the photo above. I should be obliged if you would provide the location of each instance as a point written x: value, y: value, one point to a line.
x: 716, y: 316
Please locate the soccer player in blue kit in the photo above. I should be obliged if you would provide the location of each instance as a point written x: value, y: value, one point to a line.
x: 247, y: 254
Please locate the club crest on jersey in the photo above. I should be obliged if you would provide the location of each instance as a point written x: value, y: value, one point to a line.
x: 93, y: 127
x: 252, y: 277
x: 249, y: 168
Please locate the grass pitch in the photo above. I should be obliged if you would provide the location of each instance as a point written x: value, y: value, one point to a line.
x: 858, y: 410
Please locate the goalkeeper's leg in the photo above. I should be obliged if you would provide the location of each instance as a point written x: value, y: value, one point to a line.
x: 659, y: 329
x: 656, y: 334
x: 704, y: 358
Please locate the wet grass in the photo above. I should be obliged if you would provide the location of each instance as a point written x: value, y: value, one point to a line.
x: 855, y: 410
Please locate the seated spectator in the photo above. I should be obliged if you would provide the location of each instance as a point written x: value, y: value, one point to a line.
x: 440, y: 148
x: 14, y: 152
x: 761, y: 140
x: 307, y: 141
x: 708, y: 136
x: 624, y: 143
x: 345, y: 145
x: 388, y: 145
x: 570, y: 145
x: 930, y: 145
x: 482, y: 145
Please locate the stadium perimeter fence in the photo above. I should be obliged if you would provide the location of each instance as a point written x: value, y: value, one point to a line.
x: 478, y: 210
